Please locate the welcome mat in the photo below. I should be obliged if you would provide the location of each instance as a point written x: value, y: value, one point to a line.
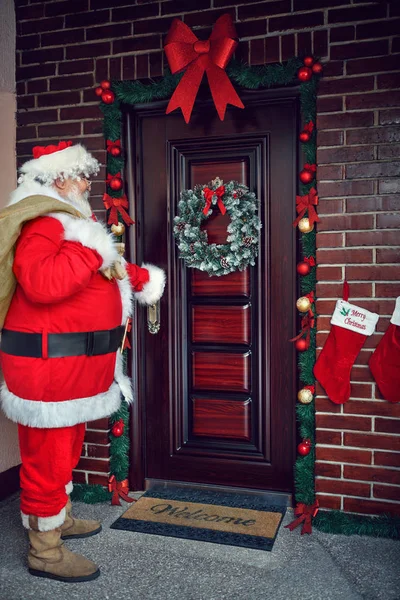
x: 222, y: 518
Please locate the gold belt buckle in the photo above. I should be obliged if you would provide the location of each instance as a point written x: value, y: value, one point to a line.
x: 127, y: 329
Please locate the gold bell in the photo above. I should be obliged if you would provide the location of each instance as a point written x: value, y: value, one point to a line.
x: 303, y: 304
x: 305, y: 226
x: 118, y: 229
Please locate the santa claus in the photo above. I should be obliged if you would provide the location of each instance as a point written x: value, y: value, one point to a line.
x: 66, y: 297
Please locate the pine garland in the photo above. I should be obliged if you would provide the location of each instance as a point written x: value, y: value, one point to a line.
x: 135, y: 92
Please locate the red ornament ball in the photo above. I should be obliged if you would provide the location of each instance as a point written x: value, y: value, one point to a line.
x: 118, y: 428
x: 306, y: 176
x: 115, y: 151
x: 317, y: 67
x: 308, y: 61
x: 98, y: 91
x: 108, y: 97
x: 303, y: 268
x: 304, y: 448
x: 116, y: 184
x: 301, y: 345
x: 304, y: 73
x: 304, y: 136
x: 105, y: 84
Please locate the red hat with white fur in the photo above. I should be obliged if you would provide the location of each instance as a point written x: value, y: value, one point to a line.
x: 62, y: 161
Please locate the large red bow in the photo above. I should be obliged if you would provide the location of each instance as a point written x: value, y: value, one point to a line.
x: 307, y: 203
x: 208, y: 195
x: 307, y: 323
x: 117, y: 205
x: 304, y: 514
x: 119, y: 489
x: 185, y: 51
x: 39, y: 151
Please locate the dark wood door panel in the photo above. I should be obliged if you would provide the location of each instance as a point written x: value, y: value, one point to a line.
x: 222, y: 371
x: 222, y: 418
x: 234, y: 284
x: 221, y: 324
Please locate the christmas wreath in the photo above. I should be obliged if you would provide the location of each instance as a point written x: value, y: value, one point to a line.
x: 196, y: 205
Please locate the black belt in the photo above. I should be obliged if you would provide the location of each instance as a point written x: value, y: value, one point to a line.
x: 89, y: 343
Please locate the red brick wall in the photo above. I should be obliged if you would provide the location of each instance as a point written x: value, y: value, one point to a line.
x: 65, y: 47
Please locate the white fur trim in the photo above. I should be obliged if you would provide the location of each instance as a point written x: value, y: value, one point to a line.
x: 46, y: 523
x: 352, y: 317
x: 91, y: 234
x: 154, y: 288
x: 396, y: 315
x: 124, y: 382
x: 68, y: 163
x: 35, y: 413
x: 125, y: 289
x: 69, y: 487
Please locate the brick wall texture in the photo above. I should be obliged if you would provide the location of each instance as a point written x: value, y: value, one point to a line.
x: 65, y: 47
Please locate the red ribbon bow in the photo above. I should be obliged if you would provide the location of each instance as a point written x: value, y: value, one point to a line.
x: 208, y: 195
x: 117, y: 205
x: 307, y: 323
x: 111, y: 144
x: 310, y: 261
x: 309, y: 127
x: 185, y: 51
x: 304, y: 513
x: 310, y: 296
x: 310, y: 387
x: 111, y: 177
x: 119, y: 489
x: 308, y: 167
x: 307, y: 203
x: 39, y: 151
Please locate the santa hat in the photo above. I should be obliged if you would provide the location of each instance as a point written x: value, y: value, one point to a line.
x: 62, y: 161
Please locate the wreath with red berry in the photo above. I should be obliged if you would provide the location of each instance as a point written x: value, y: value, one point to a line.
x: 196, y: 205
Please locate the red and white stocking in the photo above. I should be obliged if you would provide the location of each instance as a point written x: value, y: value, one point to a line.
x: 385, y: 361
x: 351, y: 326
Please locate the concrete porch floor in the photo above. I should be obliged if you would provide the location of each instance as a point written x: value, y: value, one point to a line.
x: 135, y: 565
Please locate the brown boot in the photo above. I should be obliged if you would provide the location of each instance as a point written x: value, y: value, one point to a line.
x: 49, y: 558
x: 77, y: 528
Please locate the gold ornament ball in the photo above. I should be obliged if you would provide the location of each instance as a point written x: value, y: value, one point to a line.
x: 305, y: 226
x: 118, y: 229
x: 303, y: 304
x: 305, y: 396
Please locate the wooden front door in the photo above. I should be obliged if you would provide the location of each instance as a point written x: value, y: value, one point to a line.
x: 215, y: 397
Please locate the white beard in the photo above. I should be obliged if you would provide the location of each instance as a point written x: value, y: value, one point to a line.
x: 80, y: 201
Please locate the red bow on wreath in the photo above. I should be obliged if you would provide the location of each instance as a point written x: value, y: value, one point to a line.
x: 117, y: 205
x: 307, y: 203
x: 119, y: 489
x: 307, y: 323
x: 304, y: 513
x: 185, y: 51
x: 208, y: 195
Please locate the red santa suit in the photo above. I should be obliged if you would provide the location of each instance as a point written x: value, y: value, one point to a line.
x: 60, y: 289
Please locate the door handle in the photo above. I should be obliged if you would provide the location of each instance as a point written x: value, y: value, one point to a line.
x: 153, y: 318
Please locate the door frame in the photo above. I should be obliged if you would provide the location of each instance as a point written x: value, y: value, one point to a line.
x: 134, y: 253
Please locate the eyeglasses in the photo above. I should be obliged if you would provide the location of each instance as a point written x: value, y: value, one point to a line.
x: 88, y: 182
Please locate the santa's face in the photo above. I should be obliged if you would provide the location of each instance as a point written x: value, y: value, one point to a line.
x: 76, y: 191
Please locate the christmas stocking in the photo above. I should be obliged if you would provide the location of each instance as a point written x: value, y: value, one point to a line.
x: 385, y: 361
x: 351, y: 326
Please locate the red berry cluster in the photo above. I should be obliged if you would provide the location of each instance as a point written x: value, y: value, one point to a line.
x: 310, y: 66
x: 105, y: 92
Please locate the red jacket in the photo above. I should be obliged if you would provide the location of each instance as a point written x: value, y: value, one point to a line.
x: 60, y: 290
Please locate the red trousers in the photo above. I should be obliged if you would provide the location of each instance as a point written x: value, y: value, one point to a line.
x: 48, y: 457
